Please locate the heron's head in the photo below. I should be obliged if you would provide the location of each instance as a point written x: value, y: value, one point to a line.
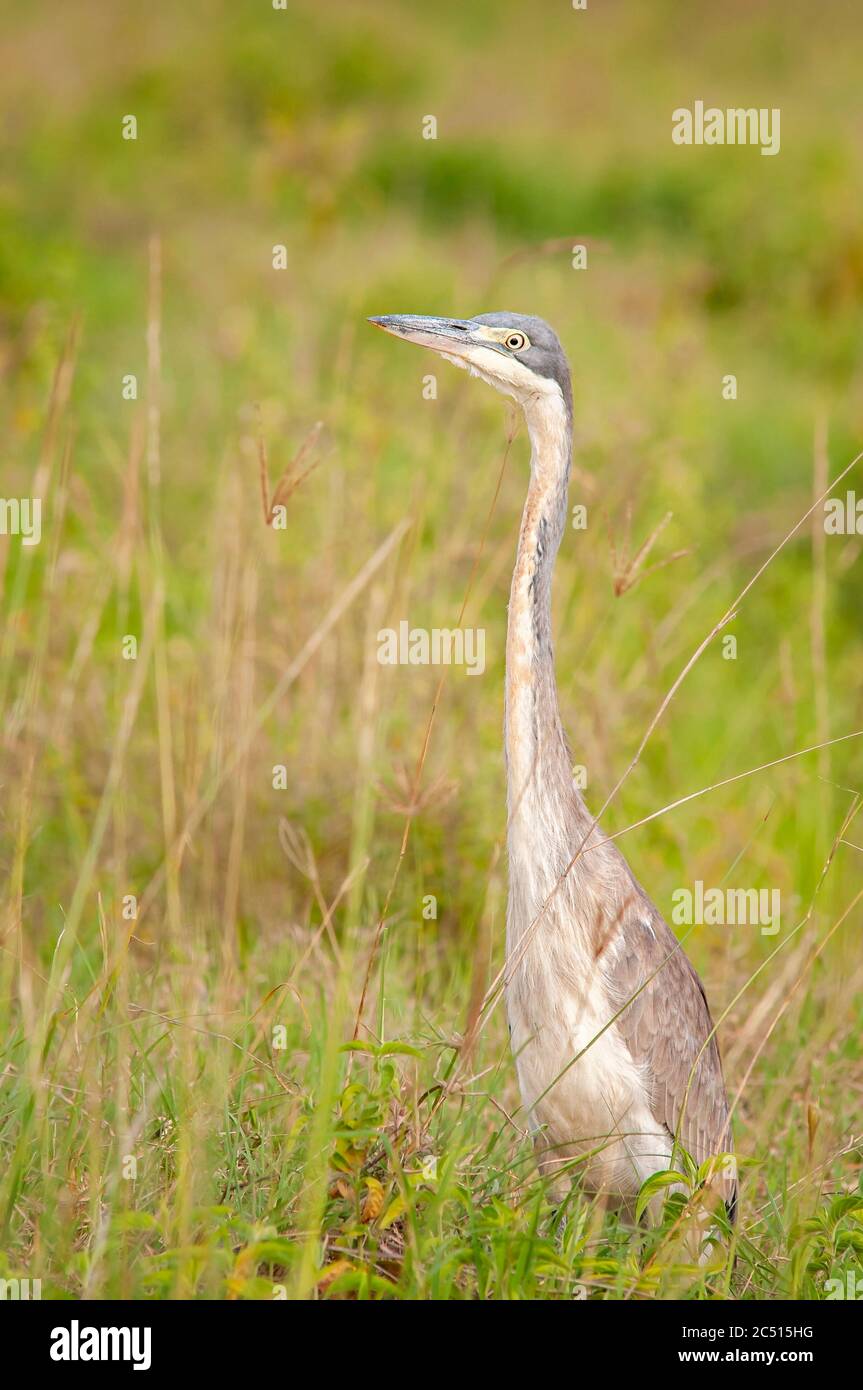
x: 516, y: 353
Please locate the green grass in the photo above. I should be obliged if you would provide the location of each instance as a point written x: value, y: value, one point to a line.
x: 181, y: 1114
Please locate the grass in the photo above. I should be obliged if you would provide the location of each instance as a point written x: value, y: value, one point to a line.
x: 241, y: 1006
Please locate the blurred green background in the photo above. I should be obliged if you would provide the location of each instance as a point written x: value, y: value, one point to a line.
x: 303, y: 128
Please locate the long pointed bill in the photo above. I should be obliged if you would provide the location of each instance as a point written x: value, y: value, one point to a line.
x: 452, y: 336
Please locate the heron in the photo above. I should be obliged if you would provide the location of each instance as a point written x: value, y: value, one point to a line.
x: 615, y: 1049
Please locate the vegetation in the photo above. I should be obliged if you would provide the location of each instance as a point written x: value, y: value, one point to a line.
x: 252, y: 1041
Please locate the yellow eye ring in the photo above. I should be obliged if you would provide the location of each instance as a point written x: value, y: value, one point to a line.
x: 515, y: 342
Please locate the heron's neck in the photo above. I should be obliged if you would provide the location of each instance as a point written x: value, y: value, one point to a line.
x: 537, y: 755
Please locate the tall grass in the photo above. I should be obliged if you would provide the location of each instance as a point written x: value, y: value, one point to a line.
x: 252, y: 1045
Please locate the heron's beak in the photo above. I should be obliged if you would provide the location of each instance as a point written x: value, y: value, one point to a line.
x: 452, y: 336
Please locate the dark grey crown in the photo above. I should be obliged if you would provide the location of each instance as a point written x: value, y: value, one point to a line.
x: 545, y: 354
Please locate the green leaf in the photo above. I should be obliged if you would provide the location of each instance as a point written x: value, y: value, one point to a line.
x: 400, y: 1049
x: 655, y: 1183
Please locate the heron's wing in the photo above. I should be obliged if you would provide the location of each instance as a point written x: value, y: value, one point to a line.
x: 665, y: 1025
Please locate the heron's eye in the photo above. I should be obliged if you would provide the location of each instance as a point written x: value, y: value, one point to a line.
x: 515, y: 342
